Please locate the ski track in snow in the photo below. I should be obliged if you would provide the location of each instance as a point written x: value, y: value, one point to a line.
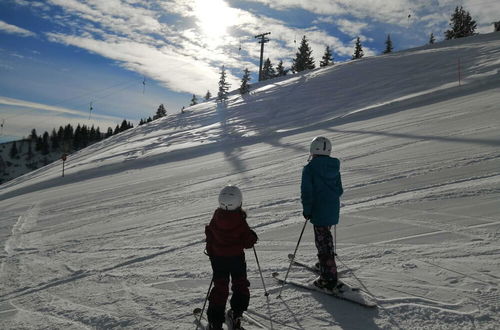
x: 24, y: 223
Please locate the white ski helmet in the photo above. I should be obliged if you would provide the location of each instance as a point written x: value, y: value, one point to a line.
x: 230, y: 198
x: 321, y: 146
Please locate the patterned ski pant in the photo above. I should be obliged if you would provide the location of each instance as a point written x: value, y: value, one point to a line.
x: 326, y: 254
x: 225, y: 268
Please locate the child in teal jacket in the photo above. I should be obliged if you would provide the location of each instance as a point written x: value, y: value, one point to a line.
x: 321, y: 189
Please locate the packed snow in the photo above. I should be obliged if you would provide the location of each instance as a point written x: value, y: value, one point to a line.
x: 118, y: 242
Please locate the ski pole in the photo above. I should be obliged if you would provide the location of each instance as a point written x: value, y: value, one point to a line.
x: 293, y: 257
x: 264, y: 285
x: 205, y: 303
x: 260, y: 272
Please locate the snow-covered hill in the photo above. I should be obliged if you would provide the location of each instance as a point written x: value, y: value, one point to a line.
x: 118, y: 242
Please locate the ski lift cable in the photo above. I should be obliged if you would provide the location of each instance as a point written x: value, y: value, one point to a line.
x: 127, y: 84
x: 87, y: 94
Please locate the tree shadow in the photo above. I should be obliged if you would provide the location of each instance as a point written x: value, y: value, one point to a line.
x: 484, y: 142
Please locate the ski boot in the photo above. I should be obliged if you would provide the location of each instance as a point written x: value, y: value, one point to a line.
x: 321, y: 283
x: 233, y: 321
x: 214, y: 326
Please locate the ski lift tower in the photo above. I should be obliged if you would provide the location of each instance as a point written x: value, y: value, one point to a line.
x: 262, y: 41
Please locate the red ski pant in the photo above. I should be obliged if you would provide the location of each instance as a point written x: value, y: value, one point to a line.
x: 224, y: 269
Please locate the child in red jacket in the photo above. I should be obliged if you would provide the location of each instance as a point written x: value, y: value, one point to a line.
x: 227, y: 235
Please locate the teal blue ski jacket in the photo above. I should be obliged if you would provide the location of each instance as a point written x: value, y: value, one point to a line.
x: 320, y: 190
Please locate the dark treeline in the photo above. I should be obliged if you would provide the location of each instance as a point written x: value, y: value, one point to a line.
x: 67, y: 139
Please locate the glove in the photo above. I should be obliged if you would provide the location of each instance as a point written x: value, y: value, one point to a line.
x: 306, y: 216
x: 255, y: 234
x: 250, y: 240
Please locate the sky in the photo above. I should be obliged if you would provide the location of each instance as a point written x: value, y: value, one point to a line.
x: 97, y: 62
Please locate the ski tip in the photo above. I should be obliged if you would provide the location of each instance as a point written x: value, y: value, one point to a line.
x: 197, y: 311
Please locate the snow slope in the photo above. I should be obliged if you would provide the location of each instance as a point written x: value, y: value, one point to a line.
x: 118, y: 242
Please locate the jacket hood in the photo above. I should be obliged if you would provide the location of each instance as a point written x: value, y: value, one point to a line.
x: 328, y: 168
x: 228, y: 220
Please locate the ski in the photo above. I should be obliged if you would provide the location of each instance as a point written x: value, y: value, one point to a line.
x: 251, y: 320
x: 313, y: 268
x: 343, y: 291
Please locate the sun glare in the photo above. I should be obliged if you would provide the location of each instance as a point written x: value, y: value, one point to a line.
x: 214, y: 17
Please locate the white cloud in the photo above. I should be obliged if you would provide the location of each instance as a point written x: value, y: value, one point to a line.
x: 393, y: 11
x: 351, y: 28
x: 22, y: 105
x: 323, y: 7
x: 324, y: 19
x: 178, y: 72
x: 12, y: 29
x: 21, y: 115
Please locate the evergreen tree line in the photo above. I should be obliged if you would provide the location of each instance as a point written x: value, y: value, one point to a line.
x: 162, y: 111
x: 461, y: 25
x: 66, y: 139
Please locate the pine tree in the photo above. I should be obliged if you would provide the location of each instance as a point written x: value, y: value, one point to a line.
x: 208, y: 96
x: 60, y: 134
x: 303, y: 58
x: 388, y: 45
x: 45, y: 143
x: 33, y: 135
x: 280, y: 70
x: 223, y: 86
x: 358, y: 50
x: 124, y: 126
x: 68, y: 134
x: 245, y: 87
x: 432, y: 39
x: 54, y: 140
x: 327, y: 57
x: 98, y: 134
x: 77, y: 137
x: 39, y: 144
x: 109, y: 132
x: 461, y: 24
x: 85, y: 136
x: 92, y: 135
x: 160, y: 112
x: 194, y: 100
x: 268, y: 71
x: 13, y: 150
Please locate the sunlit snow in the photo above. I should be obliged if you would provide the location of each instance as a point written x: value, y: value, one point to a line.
x: 118, y: 242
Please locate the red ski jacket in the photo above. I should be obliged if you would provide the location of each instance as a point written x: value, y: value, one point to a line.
x: 228, y: 233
